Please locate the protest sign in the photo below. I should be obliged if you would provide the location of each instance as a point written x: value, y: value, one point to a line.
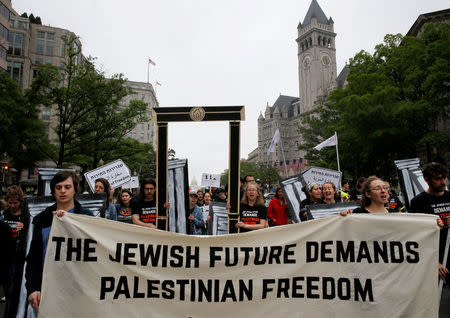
x: 318, y: 211
x: 116, y: 172
x: 321, y: 175
x: 132, y: 184
x: 210, y: 180
x: 292, y: 191
x: 96, y: 267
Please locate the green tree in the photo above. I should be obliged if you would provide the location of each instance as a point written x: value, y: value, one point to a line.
x: 91, y: 122
x: 259, y: 170
x: 21, y: 130
x: 392, y: 106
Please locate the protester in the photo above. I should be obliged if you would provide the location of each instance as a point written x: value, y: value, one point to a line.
x: 200, y: 200
x: 277, y: 213
x: 313, y: 196
x: 221, y: 195
x: 329, y: 193
x: 195, y: 216
x: 102, y: 186
x: 356, y: 194
x: 144, y: 209
x: 64, y: 186
x: 344, y: 192
x: 249, y: 178
x: 123, y: 206
x: 436, y: 200
x: 253, y: 212
x: 374, y: 196
x: 207, y: 209
x: 18, y: 220
x: 394, y: 204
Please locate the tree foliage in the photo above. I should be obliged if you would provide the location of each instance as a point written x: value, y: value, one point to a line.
x: 259, y: 170
x: 91, y: 123
x: 21, y: 130
x: 391, y: 108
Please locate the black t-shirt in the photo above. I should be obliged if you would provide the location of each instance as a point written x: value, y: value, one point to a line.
x: 394, y: 203
x: 355, y: 195
x: 252, y: 215
x: 437, y: 205
x: 360, y: 210
x: 145, y: 209
x: 123, y: 213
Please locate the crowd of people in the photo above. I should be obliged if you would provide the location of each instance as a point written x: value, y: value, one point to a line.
x: 374, y: 194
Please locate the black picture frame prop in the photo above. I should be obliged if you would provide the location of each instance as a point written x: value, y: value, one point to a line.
x: 162, y: 116
x: 177, y: 189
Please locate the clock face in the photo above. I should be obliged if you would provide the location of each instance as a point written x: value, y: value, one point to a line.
x: 325, y: 60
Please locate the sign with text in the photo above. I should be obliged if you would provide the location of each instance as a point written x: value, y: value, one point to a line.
x: 210, y: 180
x: 332, y: 265
x: 116, y: 172
x: 321, y: 175
x: 132, y: 184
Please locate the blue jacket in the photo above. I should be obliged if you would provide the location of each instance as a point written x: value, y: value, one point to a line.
x: 197, y: 225
x: 35, y: 263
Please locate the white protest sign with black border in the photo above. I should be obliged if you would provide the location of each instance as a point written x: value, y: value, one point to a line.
x: 116, y: 172
x: 354, y: 266
x: 292, y: 191
x: 210, y: 180
x: 132, y: 184
x: 314, y: 175
x: 318, y: 211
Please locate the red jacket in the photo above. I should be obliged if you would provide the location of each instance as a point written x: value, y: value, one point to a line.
x: 277, y: 213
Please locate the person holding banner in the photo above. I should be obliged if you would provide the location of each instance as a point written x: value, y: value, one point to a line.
x: 64, y: 186
x: 123, y: 207
x: 436, y: 201
x: 277, y: 212
x: 195, y: 216
x: 144, y: 209
x: 253, y: 213
x: 102, y: 186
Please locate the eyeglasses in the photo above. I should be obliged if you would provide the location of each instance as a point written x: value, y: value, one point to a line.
x: 149, y: 189
x: 385, y: 188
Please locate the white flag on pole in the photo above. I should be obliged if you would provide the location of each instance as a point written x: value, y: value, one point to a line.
x: 332, y: 141
x: 275, y: 140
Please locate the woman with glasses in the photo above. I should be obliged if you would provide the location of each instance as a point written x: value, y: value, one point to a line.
x: 253, y: 212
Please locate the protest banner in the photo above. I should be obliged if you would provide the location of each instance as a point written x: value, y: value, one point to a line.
x: 318, y: 175
x: 353, y: 266
x: 210, y: 180
x: 132, y: 184
x: 318, y: 211
x: 292, y: 191
x: 116, y: 172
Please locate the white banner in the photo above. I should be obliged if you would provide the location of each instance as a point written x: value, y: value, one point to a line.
x: 210, y: 180
x: 116, y: 172
x: 353, y: 266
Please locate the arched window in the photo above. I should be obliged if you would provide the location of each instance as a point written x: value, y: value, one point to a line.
x: 319, y: 39
x: 329, y: 43
x: 324, y: 41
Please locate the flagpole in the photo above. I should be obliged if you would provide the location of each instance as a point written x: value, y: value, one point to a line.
x: 148, y: 71
x: 284, y: 158
x: 337, y: 152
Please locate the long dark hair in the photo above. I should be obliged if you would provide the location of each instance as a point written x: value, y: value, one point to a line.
x: 365, y: 200
x: 119, y: 198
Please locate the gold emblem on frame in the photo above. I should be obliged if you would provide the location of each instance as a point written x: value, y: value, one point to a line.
x: 197, y: 114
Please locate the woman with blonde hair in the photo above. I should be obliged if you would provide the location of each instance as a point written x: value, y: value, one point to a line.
x: 253, y: 213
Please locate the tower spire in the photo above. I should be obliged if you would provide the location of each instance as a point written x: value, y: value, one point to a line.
x: 315, y: 11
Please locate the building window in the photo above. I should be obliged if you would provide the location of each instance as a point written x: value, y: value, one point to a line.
x: 40, y: 46
x: 45, y: 114
x: 16, y: 43
x: 48, y: 60
x: 39, y: 60
x: 40, y: 34
x: 49, y: 47
x: 50, y: 36
x: 142, y: 136
x: 63, y: 49
x: 3, y: 31
x: 2, y: 53
x: 4, y: 11
x: 15, y: 70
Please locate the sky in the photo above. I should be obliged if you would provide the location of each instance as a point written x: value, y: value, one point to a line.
x: 218, y: 53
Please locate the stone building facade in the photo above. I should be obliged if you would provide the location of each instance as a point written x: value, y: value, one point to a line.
x: 317, y: 77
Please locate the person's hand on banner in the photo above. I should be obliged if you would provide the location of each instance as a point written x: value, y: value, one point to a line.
x: 440, y: 223
x: 59, y: 213
x: 443, y: 271
x: 35, y: 299
x: 19, y: 226
x: 167, y: 205
x: 345, y: 212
